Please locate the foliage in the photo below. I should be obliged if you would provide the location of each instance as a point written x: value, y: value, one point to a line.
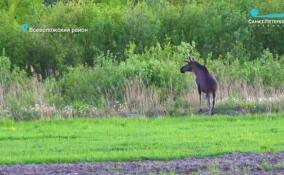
x: 216, y: 27
x: 156, y: 67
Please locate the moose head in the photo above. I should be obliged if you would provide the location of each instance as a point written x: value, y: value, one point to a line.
x: 189, y: 66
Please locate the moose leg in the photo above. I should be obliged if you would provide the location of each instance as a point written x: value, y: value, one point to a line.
x: 209, y: 104
x: 214, y: 95
x: 199, y: 92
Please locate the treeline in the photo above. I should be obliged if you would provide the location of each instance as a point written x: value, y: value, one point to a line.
x: 217, y: 27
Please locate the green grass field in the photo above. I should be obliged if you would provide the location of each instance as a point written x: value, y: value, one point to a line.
x: 118, y: 139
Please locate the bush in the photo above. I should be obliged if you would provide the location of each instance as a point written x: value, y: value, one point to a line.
x: 156, y: 67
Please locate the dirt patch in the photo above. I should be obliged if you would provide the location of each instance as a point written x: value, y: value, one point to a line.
x: 236, y: 163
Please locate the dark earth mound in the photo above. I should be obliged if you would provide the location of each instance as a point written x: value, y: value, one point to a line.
x: 236, y: 163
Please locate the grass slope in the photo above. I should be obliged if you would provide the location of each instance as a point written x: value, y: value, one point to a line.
x: 116, y: 139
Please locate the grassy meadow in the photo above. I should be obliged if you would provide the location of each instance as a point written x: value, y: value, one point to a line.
x: 124, y: 139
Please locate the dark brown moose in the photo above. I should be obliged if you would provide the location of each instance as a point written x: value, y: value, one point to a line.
x: 205, y: 82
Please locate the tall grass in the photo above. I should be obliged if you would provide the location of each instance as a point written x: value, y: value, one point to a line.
x: 145, y: 84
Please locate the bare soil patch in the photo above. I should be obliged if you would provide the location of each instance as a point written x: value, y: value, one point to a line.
x: 236, y: 163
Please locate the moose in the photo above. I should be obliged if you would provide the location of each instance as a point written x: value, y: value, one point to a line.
x: 204, y: 81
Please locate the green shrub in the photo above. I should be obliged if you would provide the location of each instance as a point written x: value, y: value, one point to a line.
x: 156, y: 67
x: 90, y: 85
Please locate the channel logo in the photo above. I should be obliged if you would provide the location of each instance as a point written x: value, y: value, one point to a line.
x: 254, y: 12
x: 24, y: 27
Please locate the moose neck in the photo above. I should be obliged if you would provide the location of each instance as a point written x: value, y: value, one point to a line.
x: 198, y: 69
